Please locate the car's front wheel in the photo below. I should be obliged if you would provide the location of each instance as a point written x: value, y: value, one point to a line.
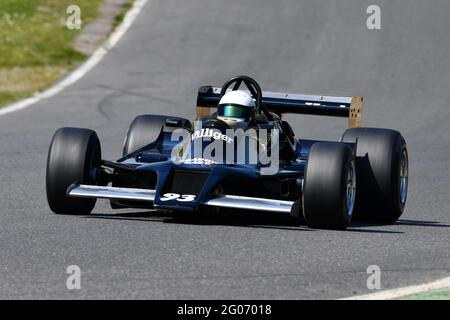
x: 73, y: 157
x: 329, y: 187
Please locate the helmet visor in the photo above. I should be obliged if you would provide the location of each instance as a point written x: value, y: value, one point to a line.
x: 233, y: 111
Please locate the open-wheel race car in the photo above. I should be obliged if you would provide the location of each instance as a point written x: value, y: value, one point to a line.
x: 171, y: 163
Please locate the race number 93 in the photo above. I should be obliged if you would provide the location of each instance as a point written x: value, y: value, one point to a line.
x: 178, y: 197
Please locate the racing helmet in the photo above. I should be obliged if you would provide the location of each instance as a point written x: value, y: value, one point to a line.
x: 236, y: 108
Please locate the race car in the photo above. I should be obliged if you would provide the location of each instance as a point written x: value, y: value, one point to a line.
x: 170, y: 163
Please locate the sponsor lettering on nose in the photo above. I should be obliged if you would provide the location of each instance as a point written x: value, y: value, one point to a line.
x: 209, y: 133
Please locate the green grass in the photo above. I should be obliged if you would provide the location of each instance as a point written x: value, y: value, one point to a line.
x: 35, y: 44
x: 443, y: 294
x: 119, y: 18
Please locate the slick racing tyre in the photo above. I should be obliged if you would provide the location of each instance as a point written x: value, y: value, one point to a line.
x: 145, y: 129
x: 74, y: 157
x: 329, y: 187
x: 382, y: 173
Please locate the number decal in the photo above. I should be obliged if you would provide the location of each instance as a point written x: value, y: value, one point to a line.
x: 186, y: 198
x: 178, y: 197
x: 170, y: 196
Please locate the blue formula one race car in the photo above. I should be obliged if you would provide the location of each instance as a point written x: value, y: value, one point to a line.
x: 242, y: 156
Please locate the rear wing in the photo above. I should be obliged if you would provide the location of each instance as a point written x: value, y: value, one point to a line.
x: 280, y: 103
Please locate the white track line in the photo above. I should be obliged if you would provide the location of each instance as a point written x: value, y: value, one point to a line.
x: 76, y: 75
x: 405, y: 291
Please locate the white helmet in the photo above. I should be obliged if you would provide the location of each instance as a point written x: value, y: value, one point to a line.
x: 236, y: 108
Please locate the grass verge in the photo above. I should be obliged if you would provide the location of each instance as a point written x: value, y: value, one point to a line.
x: 119, y: 18
x: 441, y: 294
x: 36, y: 47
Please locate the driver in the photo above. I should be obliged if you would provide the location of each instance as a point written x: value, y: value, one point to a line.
x: 236, y: 108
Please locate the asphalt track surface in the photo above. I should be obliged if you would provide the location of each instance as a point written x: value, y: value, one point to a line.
x: 318, y: 47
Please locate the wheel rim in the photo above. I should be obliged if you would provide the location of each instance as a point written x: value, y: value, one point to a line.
x: 403, y: 177
x: 351, y: 188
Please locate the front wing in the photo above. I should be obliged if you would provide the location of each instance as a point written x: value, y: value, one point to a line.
x: 147, y: 195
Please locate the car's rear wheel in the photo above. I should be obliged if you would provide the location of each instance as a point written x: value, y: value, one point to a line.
x: 383, y: 173
x: 329, y: 187
x: 73, y: 157
x: 146, y: 129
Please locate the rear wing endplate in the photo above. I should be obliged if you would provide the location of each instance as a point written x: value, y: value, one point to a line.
x: 280, y: 103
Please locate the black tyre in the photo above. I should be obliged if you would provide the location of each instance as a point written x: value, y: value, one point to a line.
x: 382, y: 173
x: 74, y: 156
x: 145, y: 129
x: 329, y: 186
